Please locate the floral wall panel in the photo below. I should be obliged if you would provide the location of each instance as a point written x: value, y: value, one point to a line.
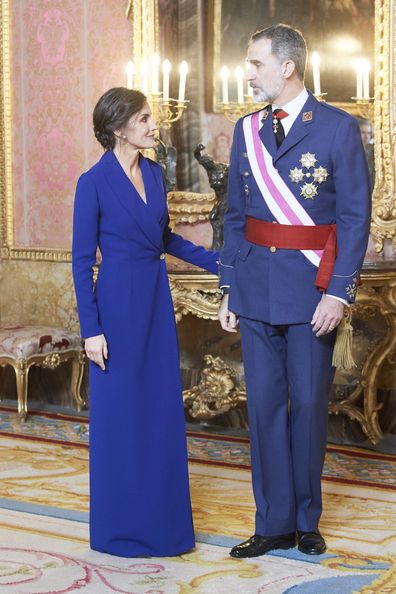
x: 65, y: 54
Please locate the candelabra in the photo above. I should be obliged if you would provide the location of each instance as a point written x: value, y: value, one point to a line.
x: 364, y: 108
x: 165, y: 111
x: 233, y: 110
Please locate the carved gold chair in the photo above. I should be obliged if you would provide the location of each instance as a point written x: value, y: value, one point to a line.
x: 25, y: 346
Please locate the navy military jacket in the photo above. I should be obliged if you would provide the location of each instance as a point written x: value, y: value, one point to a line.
x: 277, y: 286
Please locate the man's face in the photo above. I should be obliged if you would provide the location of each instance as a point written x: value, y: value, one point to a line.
x: 265, y: 72
x: 366, y: 132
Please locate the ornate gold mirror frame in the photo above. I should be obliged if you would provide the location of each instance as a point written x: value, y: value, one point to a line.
x: 384, y: 199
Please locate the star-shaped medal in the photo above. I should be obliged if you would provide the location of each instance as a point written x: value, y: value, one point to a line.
x: 320, y: 174
x: 296, y: 175
x: 308, y: 160
x: 309, y: 191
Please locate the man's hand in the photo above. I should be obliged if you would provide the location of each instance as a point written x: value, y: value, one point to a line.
x: 327, y: 316
x: 96, y: 349
x: 228, y: 319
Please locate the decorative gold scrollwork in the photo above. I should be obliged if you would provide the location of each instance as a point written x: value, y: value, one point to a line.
x: 51, y: 361
x: 198, y: 301
x: 216, y: 392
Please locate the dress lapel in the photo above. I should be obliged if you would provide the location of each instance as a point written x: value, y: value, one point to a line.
x: 129, y: 198
x: 300, y: 127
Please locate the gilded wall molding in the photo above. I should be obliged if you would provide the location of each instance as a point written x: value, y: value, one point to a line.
x: 384, y: 199
x: 144, y: 17
x: 6, y: 198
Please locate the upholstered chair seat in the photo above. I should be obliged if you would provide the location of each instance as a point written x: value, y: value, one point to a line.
x: 46, y: 346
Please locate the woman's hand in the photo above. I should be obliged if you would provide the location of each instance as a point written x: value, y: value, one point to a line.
x: 96, y: 349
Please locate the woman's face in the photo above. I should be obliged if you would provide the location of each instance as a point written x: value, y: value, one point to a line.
x: 140, y: 130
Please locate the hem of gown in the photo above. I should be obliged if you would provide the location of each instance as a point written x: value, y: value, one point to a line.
x: 147, y: 553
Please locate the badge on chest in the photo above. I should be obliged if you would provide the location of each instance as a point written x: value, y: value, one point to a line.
x: 308, y: 175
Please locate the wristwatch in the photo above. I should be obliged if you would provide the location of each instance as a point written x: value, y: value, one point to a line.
x: 224, y: 291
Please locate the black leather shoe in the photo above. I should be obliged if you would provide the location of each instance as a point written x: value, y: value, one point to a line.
x: 311, y: 543
x: 259, y: 545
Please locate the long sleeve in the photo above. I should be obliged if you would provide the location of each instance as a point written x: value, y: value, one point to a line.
x: 177, y: 246
x: 85, y: 243
x: 186, y: 250
x: 353, y: 204
x: 235, y: 219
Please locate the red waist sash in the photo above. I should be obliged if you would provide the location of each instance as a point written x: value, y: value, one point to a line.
x: 298, y: 237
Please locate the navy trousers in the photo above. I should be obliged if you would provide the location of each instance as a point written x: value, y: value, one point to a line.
x: 288, y: 375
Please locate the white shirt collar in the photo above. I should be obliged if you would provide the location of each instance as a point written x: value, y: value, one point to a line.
x: 293, y: 108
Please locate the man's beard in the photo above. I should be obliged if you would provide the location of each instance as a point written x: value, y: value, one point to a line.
x: 268, y: 95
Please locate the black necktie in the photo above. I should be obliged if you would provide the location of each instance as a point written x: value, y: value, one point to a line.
x: 279, y: 131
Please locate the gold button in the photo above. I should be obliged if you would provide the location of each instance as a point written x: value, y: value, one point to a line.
x: 162, y: 256
x: 246, y: 173
x: 272, y: 249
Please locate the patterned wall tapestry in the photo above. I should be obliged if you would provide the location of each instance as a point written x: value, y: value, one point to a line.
x: 65, y: 54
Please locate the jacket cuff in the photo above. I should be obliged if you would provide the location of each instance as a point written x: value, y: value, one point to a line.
x: 226, y: 274
x: 344, y: 287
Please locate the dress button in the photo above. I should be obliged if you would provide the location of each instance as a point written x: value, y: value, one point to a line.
x: 272, y: 249
x: 162, y: 256
x: 246, y: 173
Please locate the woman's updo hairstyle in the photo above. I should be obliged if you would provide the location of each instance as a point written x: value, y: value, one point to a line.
x: 112, y: 112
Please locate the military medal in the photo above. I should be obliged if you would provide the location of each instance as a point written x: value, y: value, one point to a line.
x: 308, y: 160
x: 320, y: 174
x: 309, y: 191
x: 296, y: 175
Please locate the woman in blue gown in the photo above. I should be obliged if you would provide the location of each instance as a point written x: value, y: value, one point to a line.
x: 139, y: 491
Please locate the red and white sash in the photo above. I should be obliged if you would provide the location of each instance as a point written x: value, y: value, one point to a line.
x: 280, y: 200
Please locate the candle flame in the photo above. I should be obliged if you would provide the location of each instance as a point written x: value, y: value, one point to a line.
x: 224, y: 72
x: 183, y: 68
x: 166, y: 66
x: 315, y: 59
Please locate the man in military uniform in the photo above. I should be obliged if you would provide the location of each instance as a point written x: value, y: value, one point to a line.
x: 296, y: 232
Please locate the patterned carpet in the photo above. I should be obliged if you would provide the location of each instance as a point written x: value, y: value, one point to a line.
x: 343, y: 463
x: 44, y: 515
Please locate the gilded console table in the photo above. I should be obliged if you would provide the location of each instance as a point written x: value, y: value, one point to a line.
x: 197, y: 294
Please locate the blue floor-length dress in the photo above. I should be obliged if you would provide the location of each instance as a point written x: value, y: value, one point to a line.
x: 139, y: 492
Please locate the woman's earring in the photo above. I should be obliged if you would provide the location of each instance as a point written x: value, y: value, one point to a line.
x: 124, y: 136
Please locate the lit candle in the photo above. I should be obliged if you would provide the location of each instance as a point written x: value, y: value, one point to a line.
x: 130, y: 70
x: 315, y: 60
x: 239, y: 78
x: 154, y: 73
x: 183, y: 69
x: 366, y: 79
x: 359, y: 79
x: 224, y: 73
x: 166, y: 67
x: 144, y: 76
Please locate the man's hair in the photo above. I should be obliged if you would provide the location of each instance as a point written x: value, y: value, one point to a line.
x: 286, y: 44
